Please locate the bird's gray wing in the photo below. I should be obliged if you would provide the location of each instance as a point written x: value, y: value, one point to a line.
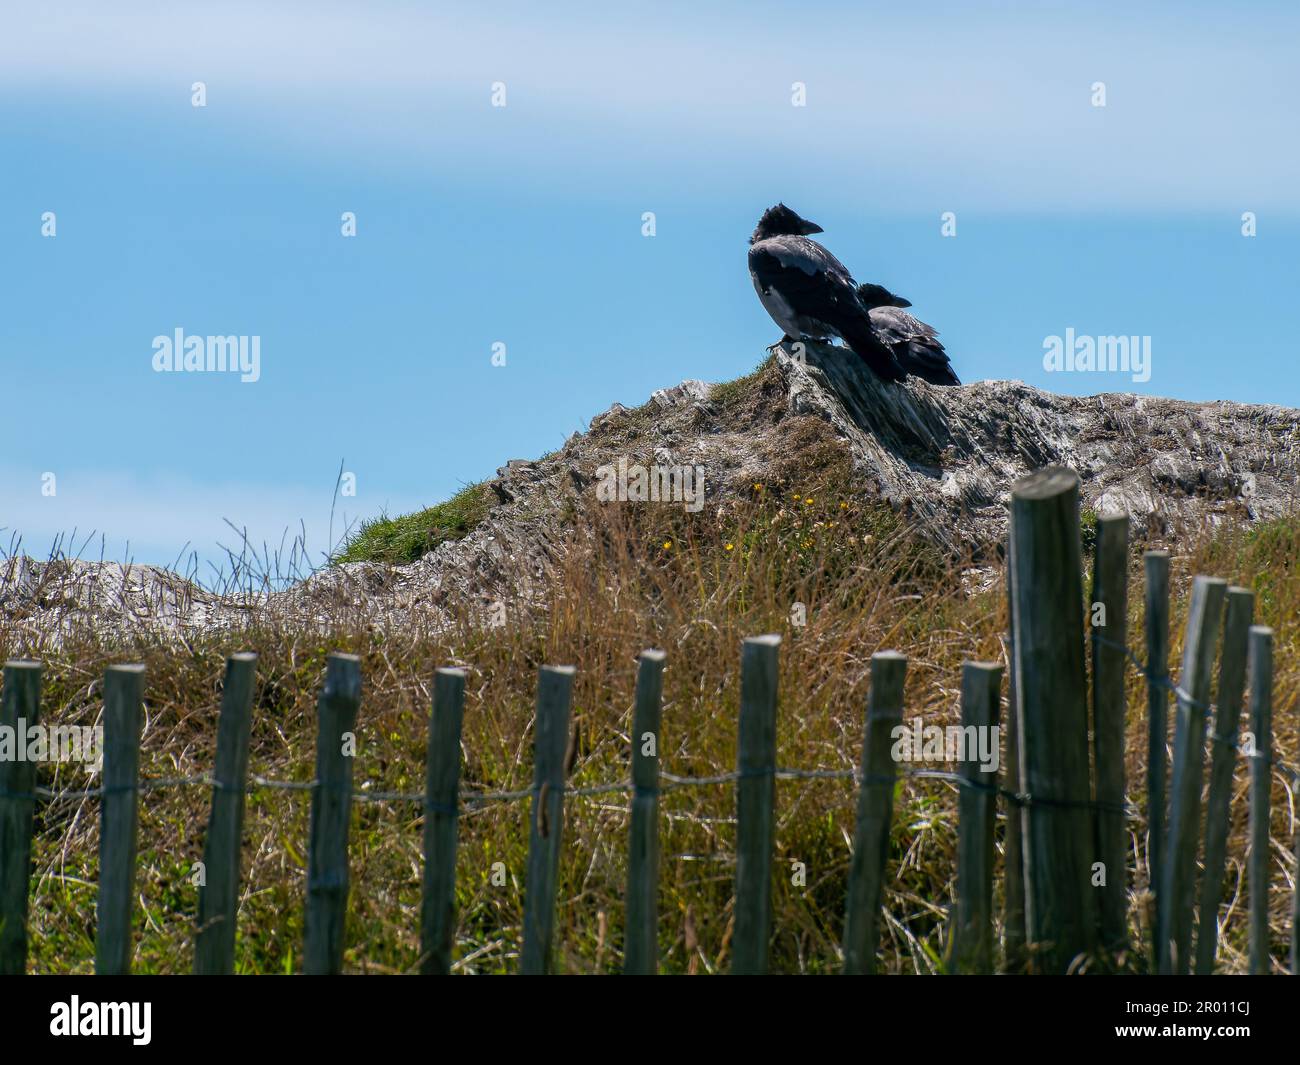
x: 810, y: 279
x: 807, y: 256
x: 915, y: 345
x: 897, y: 326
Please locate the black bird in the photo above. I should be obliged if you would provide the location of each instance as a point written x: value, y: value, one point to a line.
x: 808, y: 292
x: 915, y: 345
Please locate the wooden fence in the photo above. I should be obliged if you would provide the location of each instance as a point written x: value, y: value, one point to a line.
x: 1066, y: 840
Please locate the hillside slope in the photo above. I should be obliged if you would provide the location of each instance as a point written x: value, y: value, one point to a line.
x: 944, y: 458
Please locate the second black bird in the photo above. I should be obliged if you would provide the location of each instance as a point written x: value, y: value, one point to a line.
x: 915, y: 345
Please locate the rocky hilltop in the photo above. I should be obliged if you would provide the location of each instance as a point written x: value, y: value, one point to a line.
x: 945, y: 457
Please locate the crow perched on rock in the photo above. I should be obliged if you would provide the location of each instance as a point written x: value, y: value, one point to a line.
x: 808, y: 292
x: 915, y: 345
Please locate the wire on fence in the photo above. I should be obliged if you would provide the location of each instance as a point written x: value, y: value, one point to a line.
x: 668, y: 782
x: 671, y: 782
x: 1163, y: 682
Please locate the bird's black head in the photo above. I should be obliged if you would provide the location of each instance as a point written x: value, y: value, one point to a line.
x: 873, y: 296
x: 781, y: 221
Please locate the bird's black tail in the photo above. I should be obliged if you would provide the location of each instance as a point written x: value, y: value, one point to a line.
x: 858, y: 335
x: 927, y: 361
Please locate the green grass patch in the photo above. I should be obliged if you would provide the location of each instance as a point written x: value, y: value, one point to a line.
x: 1088, y: 534
x: 406, y: 538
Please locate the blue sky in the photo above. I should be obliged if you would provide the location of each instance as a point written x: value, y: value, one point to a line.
x: 522, y: 225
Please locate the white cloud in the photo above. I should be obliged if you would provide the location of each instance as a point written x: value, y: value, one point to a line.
x: 988, y: 106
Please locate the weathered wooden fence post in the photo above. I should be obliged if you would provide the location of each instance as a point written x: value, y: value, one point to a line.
x: 971, y: 945
x: 441, y: 811
x: 19, y: 708
x: 641, y: 935
x: 1223, y: 760
x: 1052, y: 708
x: 1109, y: 620
x: 755, y: 804
x: 214, y: 947
x: 1178, y: 894
x: 1261, y: 783
x: 1156, y: 564
x: 331, y: 808
x: 1013, y: 909
x: 875, y: 813
x: 554, y: 694
x: 123, y: 702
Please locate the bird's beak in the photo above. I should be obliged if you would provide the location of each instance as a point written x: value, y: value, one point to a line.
x: 809, y: 228
x: 900, y: 302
